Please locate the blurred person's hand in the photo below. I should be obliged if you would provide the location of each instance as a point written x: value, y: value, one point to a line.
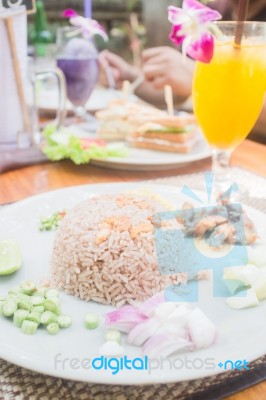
x: 166, y: 66
x: 118, y: 68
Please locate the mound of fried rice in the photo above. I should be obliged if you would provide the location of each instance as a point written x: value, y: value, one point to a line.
x: 104, y: 251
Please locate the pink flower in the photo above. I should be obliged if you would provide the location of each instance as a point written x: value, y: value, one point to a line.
x: 191, y: 29
x: 89, y: 27
x: 176, y: 36
x: 202, y: 49
x: 69, y: 13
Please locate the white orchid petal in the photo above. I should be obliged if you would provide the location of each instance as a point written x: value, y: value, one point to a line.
x: 175, y: 14
x: 89, y: 27
x: 186, y: 43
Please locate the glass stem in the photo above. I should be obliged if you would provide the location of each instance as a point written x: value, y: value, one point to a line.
x: 80, y: 111
x: 221, y: 169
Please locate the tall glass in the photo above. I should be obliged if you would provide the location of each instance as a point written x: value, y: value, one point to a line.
x: 228, y: 93
x: 78, y: 59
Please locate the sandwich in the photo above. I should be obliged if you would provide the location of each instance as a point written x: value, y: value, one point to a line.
x: 118, y: 120
x: 166, y: 133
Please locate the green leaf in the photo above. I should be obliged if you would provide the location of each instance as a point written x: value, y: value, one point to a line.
x: 63, y: 144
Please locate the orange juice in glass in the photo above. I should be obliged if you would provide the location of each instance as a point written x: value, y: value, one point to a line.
x: 228, y: 93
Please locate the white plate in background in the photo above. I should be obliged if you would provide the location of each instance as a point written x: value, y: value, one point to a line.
x: 151, y: 160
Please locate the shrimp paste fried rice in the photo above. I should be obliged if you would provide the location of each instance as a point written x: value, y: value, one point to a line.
x: 104, y: 251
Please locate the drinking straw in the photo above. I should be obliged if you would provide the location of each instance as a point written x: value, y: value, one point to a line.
x: 87, y: 8
x: 110, y: 77
x: 12, y: 44
x: 241, y: 17
x: 126, y: 88
x: 135, y: 41
x: 137, y: 82
x: 168, y: 96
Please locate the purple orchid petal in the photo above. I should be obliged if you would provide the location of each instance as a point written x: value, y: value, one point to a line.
x: 99, y: 29
x: 208, y: 15
x: 192, y: 5
x: 89, y: 27
x: 175, y: 36
x: 202, y: 49
x: 175, y: 15
x: 69, y: 13
x: 204, y: 13
x: 77, y: 20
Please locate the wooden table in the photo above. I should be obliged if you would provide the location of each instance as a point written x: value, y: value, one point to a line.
x: 18, y: 184
x: 21, y: 183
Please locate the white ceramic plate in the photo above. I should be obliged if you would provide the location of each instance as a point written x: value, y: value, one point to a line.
x: 99, y: 99
x: 241, y: 333
x: 150, y: 160
x: 137, y: 159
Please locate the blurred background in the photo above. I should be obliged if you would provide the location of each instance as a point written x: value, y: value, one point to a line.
x: 131, y: 24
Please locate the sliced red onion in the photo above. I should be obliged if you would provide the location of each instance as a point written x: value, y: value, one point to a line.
x: 125, y: 318
x: 201, y: 330
x: 174, y: 329
x: 163, y: 327
x: 179, y: 314
x: 176, y: 322
x: 147, y: 308
x: 143, y: 331
x: 165, y: 345
x: 164, y: 310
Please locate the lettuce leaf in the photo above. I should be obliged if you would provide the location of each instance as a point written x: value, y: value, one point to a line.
x: 62, y: 144
x: 185, y: 129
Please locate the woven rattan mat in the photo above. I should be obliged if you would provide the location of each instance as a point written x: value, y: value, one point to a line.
x: 18, y: 383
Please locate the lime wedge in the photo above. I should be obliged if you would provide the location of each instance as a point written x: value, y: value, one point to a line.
x: 10, y: 256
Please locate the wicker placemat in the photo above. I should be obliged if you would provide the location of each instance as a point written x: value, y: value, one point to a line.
x: 18, y: 383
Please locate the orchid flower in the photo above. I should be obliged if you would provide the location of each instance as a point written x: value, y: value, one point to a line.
x: 88, y: 27
x: 191, y: 28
